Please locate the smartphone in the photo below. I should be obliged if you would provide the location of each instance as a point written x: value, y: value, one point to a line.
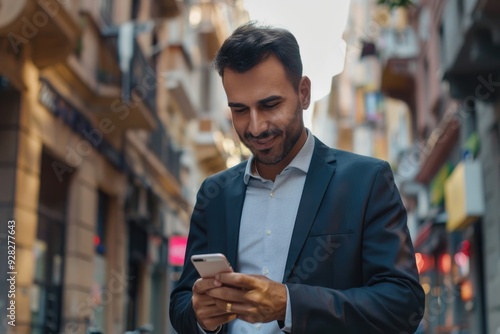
x: 208, y: 265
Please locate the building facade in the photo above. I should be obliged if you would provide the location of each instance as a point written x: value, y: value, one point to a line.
x: 450, y: 88
x: 110, y: 120
x: 472, y: 71
x: 420, y: 89
x: 356, y: 116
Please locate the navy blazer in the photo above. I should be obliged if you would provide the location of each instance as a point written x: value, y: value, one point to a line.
x: 351, y: 265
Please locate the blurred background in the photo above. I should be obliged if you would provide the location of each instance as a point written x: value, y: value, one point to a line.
x: 111, y: 117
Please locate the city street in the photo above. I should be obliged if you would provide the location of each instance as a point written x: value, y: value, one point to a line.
x: 112, y: 116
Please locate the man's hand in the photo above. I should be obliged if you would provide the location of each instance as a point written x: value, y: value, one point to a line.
x: 208, y: 314
x: 253, y: 298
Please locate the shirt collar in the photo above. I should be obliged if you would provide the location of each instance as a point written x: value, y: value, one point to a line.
x: 301, y: 161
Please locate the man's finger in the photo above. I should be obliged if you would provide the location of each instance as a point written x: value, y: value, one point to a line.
x: 227, y: 294
x: 203, y: 300
x: 239, y: 280
x: 235, y: 307
x: 210, y: 312
x: 202, y: 285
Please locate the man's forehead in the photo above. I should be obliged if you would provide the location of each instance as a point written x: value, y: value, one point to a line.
x: 264, y: 80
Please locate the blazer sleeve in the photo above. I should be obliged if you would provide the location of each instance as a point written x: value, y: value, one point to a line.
x: 391, y: 299
x: 181, y: 310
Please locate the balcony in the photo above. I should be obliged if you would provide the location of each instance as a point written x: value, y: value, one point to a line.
x: 164, y: 149
x: 179, y: 71
x: 212, y: 26
x: 135, y: 108
x: 208, y: 144
x: 141, y: 80
x: 157, y: 156
x: 164, y: 9
x: 129, y: 106
x: 398, y: 50
x: 473, y: 52
x: 177, y: 84
x: 47, y: 26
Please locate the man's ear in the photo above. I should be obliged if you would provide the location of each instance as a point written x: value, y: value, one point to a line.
x: 305, y: 92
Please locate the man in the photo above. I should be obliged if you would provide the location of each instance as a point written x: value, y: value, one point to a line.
x: 317, y: 237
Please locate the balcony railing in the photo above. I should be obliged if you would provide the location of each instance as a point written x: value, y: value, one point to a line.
x: 108, y: 72
x: 141, y: 81
x: 161, y: 145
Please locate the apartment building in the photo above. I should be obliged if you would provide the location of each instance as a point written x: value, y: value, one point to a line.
x: 110, y: 119
x: 449, y: 177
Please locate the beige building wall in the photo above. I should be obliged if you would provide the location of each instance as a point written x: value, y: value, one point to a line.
x: 40, y: 130
x: 72, y: 73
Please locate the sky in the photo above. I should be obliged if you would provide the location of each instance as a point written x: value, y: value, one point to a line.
x: 318, y: 26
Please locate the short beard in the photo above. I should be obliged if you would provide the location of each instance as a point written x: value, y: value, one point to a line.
x: 292, y: 139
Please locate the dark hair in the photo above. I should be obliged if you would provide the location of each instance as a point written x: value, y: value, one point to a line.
x: 252, y: 43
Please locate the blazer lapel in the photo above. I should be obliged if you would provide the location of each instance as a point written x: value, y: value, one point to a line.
x: 318, y: 178
x: 235, y: 197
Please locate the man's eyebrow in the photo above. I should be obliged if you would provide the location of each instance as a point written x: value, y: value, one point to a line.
x: 263, y: 101
x: 269, y: 99
x: 235, y: 105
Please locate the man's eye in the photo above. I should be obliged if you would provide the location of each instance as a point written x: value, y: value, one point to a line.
x: 271, y: 106
x: 240, y: 110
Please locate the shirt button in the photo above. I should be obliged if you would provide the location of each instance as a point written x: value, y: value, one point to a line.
x: 265, y: 271
x: 258, y: 326
x: 271, y: 194
x: 268, y: 232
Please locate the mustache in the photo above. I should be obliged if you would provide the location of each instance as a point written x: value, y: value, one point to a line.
x: 262, y: 135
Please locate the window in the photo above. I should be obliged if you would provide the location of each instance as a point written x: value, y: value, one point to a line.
x: 48, y: 250
x: 98, y: 291
x: 100, y: 233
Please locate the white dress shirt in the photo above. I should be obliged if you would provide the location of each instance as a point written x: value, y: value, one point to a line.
x: 267, y: 223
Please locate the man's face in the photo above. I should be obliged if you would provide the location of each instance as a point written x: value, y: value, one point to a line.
x: 266, y: 110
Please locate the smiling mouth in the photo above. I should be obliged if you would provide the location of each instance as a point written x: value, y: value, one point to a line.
x: 263, y: 143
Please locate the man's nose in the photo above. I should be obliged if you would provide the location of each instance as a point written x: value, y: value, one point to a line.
x: 258, y: 122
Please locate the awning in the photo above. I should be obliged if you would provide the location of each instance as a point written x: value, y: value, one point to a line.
x: 438, y: 148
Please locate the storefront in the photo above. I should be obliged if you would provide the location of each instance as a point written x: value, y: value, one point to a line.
x: 465, y: 206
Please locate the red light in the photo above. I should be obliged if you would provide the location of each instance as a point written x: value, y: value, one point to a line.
x: 97, y: 240
x: 424, y: 262
x: 467, y: 291
x: 445, y: 263
x: 461, y: 259
x: 465, y: 247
